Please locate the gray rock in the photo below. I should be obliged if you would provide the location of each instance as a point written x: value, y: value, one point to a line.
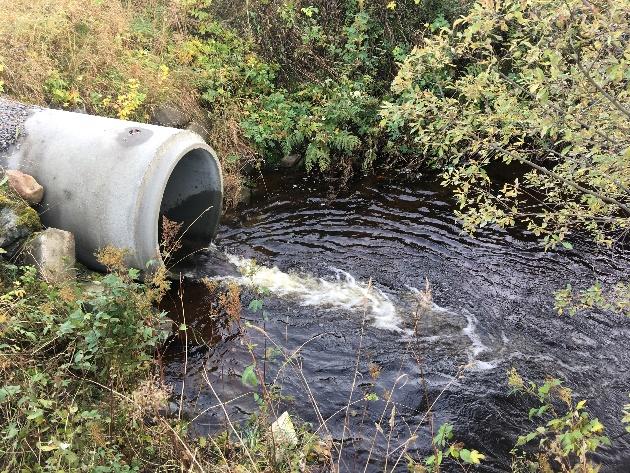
x: 248, y: 169
x: 25, y: 186
x: 52, y: 252
x: 291, y: 160
x: 169, y: 115
x: 12, y: 228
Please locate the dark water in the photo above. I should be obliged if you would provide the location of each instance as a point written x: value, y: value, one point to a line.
x: 496, y: 294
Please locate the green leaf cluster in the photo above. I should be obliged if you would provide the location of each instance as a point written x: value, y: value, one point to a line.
x: 542, y: 86
x: 565, y: 440
x: 64, y: 352
x: 445, y: 448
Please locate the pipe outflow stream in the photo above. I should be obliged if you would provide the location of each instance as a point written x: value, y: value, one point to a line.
x: 111, y: 182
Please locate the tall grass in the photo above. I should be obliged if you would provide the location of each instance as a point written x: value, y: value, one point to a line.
x: 94, y: 55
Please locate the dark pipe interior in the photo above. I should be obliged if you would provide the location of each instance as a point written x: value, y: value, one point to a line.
x: 192, y: 198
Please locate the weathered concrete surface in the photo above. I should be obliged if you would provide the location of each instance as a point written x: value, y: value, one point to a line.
x: 52, y: 252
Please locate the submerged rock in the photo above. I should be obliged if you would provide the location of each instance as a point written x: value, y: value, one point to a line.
x: 25, y: 186
x: 52, y: 252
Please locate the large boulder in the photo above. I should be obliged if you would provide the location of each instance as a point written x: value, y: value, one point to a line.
x: 25, y: 186
x: 202, y: 127
x: 52, y: 252
x: 291, y: 161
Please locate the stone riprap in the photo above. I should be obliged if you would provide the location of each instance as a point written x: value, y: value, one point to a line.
x: 12, y: 117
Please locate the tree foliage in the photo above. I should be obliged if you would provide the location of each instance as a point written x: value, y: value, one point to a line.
x: 543, y: 83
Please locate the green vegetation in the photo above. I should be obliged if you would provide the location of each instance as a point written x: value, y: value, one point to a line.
x: 565, y: 440
x: 522, y: 106
x: 445, y: 447
x: 80, y: 387
x: 540, y: 83
x: 112, y: 58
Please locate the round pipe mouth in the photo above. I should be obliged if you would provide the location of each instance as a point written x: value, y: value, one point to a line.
x: 190, y: 207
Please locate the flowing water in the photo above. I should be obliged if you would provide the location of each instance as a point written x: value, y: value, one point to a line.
x: 346, y: 278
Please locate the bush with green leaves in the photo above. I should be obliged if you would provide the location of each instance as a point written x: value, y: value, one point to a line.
x: 541, y: 83
x: 69, y: 361
x: 332, y: 66
x: 332, y: 117
x: 446, y: 449
x: 541, y: 88
x: 567, y: 435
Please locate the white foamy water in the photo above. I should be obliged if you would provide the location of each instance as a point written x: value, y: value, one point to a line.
x: 341, y: 292
x: 477, y: 346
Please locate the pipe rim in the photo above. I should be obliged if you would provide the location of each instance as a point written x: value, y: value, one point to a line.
x: 173, y: 153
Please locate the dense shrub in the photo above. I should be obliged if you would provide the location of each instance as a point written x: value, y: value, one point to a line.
x: 541, y: 83
x: 69, y: 359
x: 336, y: 62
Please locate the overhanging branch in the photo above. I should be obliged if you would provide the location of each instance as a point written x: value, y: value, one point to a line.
x: 568, y: 182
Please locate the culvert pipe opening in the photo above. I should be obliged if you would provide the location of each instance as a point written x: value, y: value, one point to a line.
x: 115, y: 182
x: 190, y: 207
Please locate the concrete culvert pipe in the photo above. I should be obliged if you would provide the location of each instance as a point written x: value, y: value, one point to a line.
x: 110, y: 181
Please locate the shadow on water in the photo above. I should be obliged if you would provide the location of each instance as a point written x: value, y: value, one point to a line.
x: 492, y: 309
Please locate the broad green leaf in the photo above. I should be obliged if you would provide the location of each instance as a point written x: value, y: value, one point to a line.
x: 249, y: 378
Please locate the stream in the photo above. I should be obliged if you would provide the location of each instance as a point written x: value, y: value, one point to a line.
x: 346, y: 280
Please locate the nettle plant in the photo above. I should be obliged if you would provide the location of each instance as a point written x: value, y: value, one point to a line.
x: 541, y: 83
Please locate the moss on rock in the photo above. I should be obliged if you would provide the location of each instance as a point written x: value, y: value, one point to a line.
x: 19, y: 219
